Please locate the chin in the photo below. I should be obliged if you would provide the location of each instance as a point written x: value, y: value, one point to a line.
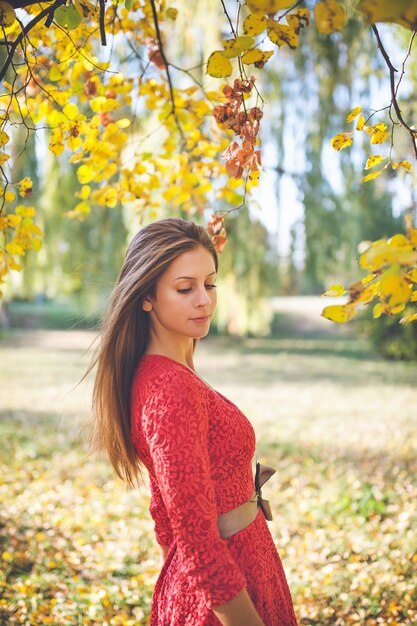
x: 201, y: 334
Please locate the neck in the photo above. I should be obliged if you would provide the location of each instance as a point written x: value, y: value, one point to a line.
x: 178, y: 351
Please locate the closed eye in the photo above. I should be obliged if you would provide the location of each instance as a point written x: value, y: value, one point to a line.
x: 190, y: 289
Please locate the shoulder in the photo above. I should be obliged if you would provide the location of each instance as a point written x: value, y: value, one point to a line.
x: 158, y: 376
x: 168, y: 397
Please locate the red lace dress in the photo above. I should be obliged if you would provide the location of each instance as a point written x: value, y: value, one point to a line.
x: 198, y: 447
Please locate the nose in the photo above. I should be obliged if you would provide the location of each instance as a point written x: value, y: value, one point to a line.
x: 202, y: 297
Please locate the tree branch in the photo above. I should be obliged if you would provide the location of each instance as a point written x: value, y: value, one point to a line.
x: 46, y: 12
x: 171, y: 89
x: 394, y: 88
x: 228, y: 19
x: 101, y: 20
x: 21, y: 4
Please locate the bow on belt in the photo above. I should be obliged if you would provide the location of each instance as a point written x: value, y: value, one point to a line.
x: 262, y: 474
x: 237, y: 519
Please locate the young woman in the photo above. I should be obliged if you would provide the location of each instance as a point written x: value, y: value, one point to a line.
x: 151, y: 407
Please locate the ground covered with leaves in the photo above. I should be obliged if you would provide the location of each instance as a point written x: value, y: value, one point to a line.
x: 337, y: 422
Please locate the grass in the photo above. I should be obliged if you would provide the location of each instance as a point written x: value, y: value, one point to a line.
x: 337, y: 422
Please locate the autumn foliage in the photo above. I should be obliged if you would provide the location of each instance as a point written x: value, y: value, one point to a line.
x: 209, y: 144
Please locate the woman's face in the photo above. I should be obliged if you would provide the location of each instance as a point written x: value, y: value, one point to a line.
x: 185, y: 296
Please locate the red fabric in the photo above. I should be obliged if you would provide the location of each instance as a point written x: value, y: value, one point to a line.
x: 198, y: 447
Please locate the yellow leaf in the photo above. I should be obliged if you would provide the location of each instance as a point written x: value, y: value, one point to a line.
x: 253, y: 181
x: 4, y: 157
x: 70, y: 110
x: 254, y: 24
x: 74, y: 143
x: 343, y: 140
x: 84, y: 192
x: 371, y: 130
x: 281, y: 34
x: 380, y: 254
x: 339, y: 313
x: 86, y: 9
x: 380, y: 136
x: 329, y: 16
x: 9, y: 196
x: 268, y: 7
x: 85, y: 174
x: 405, y: 164
x: 371, y: 176
x: 218, y: 66
x: 7, y: 556
x: 401, y: 241
x: 15, y: 248
x: 55, y: 74
x: 394, y: 290
x: 25, y: 211
x: 360, y: 294
x: 361, y: 123
x: 233, y: 47
x: 298, y: 20
x: 378, y: 310
x: 402, y: 12
x: 256, y: 56
x: 4, y: 138
x: 56, y: 118
x: 56, y: 147
x: 374, y: 160
x: 354, y: 112
x: 123, y: 123
x: 413, y: 297
x: 7, y: 14
x: 25, y: 187
x: 103, y: 105
x: 335, y: 291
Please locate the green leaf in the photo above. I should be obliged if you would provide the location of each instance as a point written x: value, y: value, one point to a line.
x: 67, y: 17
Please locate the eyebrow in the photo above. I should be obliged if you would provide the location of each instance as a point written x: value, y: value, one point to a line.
x: 192, y: 277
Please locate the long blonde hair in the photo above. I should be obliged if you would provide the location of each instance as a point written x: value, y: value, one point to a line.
x: 125, y: 335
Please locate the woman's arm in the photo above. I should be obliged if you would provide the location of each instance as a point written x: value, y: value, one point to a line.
x: 239, y: 611
x: 163, y: 551
x: 175, y: 425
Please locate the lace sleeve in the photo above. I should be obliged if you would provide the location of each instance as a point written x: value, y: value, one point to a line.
x: 163, y: 530
x: 175, y: 423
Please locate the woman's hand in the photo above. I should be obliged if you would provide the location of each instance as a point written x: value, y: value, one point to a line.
x: 239, y: 611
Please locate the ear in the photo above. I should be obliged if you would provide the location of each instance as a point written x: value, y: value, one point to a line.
x: 147, y: 305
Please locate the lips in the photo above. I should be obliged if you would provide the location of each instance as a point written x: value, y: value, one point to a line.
x: 200, y: 319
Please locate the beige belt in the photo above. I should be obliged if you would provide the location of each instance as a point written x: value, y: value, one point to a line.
x: 237, y: 519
